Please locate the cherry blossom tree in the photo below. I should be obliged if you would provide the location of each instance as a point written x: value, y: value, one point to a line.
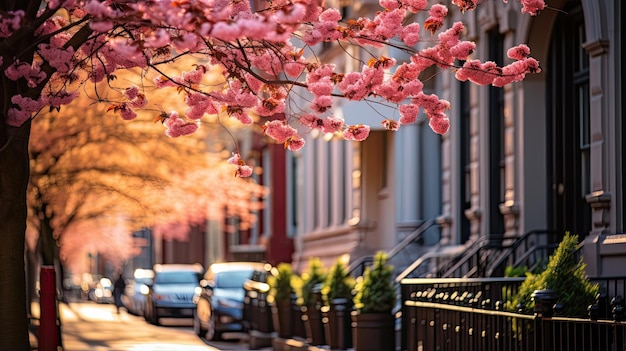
x: 53, y: 50
x: 95, y: 175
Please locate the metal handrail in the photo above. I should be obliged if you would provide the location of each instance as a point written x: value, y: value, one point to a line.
x: 511, y: 249
x: 364, y: 261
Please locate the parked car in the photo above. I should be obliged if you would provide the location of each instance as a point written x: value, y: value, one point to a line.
x: 171, y: 292
x: 219, y: 301
x: 134, y: 297
x: 103, y: 292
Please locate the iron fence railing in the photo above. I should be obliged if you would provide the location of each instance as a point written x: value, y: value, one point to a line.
x: 469, y: 314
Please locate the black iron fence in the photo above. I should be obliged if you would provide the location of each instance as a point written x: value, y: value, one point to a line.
x: 469, y: 314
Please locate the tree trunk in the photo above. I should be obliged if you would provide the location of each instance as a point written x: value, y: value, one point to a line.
x: 14, y: 173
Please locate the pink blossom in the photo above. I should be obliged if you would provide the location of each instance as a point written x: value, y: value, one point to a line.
x: 98, y: 9
x: 388, y: 23
x: 254, y: 84
x: 390, y: 4
x: 532, y: 6
x: 127, y: 113
x: 139, y: 101
x: 59, y: 98
x: 17, y: 117
x: 479, y: 73
x: 408, y: 113
x: 295, y: 143
x: 195, y: 76
x: 415, y: 6
x: 243, y: 171
x: 291, y: 14
x: 269, y: 107
x: 25, y: 108
x: 321, y: 103
x: 406, y: 72
x: 437, y: 14
x: 311, y: 121
x: 279, y: 130
x: 391, y: 90
x: 27, y: 104
x: 234, y: 159
x: 465, y: 5
x: 199, y: 104
x: 519, y: 52
x: 358, y: 132
x: 225, y: 31
x: 101, y: 26
x: 438, y: 11
x: 462, y: 50
x: 516, y: 71
x: 176, y: 126
x: 158, y: 38
x: 293, y: 69
x: 31, y: 73
x: 332, y: 124
x: 58, y: 58
x: 439, y: 125
x: 330, y: 14
x: 131, y: 92
x: 162, y: 82
x: 321, y: 87
x: 10, y: 22
x: 390, y: 124
x: 410, y: 34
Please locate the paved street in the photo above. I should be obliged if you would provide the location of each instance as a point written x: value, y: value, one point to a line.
x: 89, y: 326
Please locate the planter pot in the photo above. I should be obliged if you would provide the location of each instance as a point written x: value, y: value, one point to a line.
x: 282, y: 315
x: 298, y: 321
x: 264, y: 316
x: 373, y: 331
x: 313, y: 326
x: 338, y: 324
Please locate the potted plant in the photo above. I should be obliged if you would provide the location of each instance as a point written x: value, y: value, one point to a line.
x: 280, y: 296
x: 310, y: 301
x: 338, y: 294
x: 374, y: 324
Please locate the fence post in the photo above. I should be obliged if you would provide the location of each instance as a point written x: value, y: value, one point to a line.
x: 617, y: 308
x: 49, y: 331
x: 544, y: 308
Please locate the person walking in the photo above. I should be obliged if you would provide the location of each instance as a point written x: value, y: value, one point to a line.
x: 118, y: 291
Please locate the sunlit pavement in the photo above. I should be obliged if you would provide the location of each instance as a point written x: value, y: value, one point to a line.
x: 87, y: 326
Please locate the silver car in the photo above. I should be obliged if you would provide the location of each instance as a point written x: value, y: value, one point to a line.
x: 171, y: 292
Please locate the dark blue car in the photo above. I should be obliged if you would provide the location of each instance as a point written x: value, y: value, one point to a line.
x: 219, y: 301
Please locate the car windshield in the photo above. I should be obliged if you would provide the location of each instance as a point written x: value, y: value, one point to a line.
x: 231, y: 279
x: 180, y: 277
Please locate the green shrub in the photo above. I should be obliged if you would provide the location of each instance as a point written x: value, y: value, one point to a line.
x: 563, y: 274
x: 339, y: 283
x: 312, y: 278
x: 281, y: 283
x: 375, y: 291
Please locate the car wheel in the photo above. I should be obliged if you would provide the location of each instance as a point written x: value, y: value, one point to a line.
x: 146, y: 312
x: 155, y: 315
x: 211, y: 333
x: 197, y: 326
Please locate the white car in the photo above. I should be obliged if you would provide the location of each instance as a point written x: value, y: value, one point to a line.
x: 171, y: 292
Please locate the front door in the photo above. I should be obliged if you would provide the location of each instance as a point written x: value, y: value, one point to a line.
x: 568, y: 125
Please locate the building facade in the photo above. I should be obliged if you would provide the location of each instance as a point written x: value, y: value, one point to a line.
x: 542, y: 154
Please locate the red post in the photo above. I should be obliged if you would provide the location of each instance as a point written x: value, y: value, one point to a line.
x: 48, y: 326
